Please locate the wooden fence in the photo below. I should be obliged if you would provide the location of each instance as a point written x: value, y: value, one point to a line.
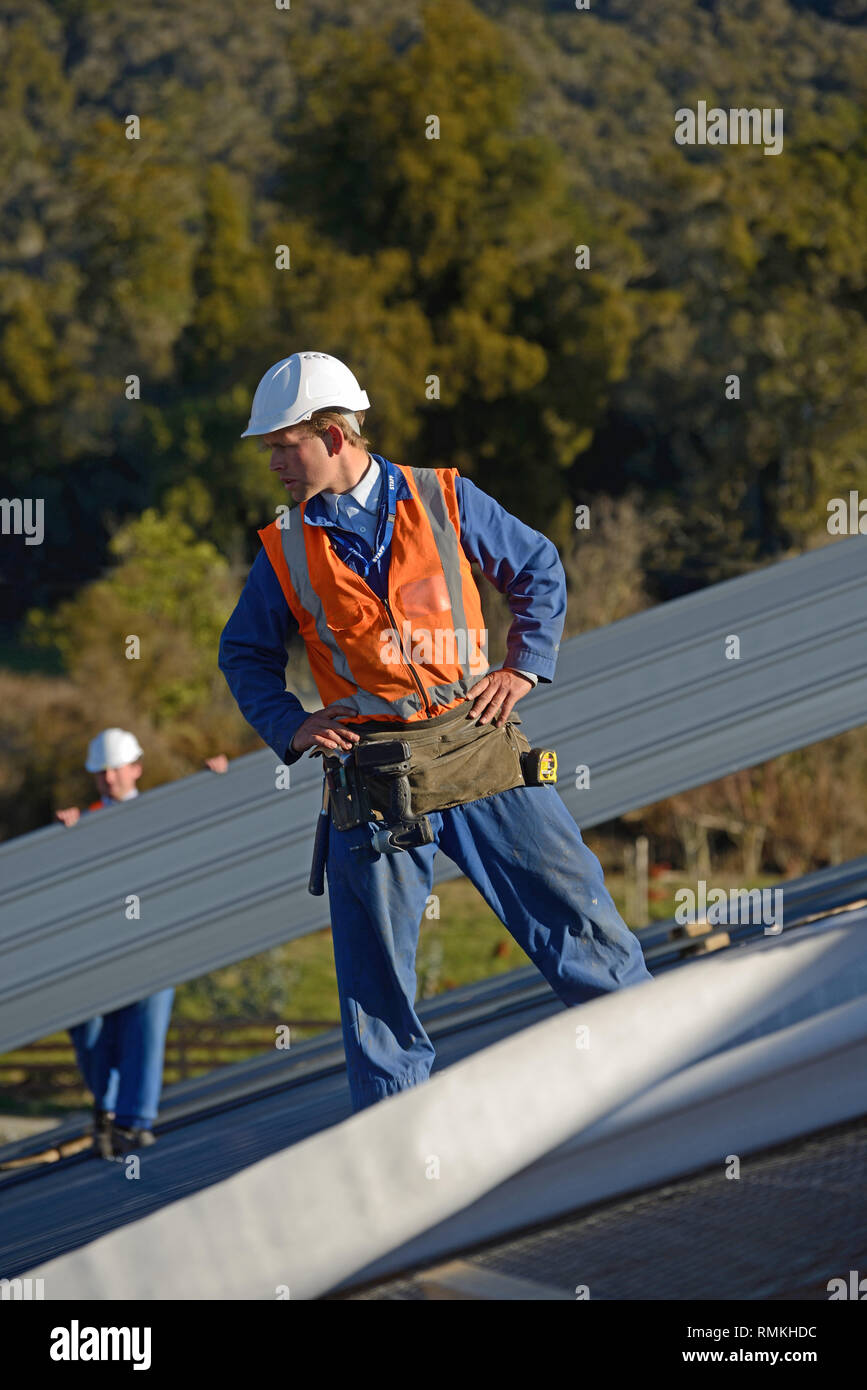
x: 44, y: 1069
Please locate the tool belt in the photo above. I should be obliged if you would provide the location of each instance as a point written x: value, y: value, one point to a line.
x: 452, y: 759
x: 432, y: 765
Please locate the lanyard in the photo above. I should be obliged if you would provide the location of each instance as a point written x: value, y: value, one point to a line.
x: 384, y: 528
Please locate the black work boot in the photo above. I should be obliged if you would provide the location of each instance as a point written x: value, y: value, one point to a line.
x: 129, y: 1141
x: 102, y: 1128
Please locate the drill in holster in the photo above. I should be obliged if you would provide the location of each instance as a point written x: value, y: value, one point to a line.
x: 350, y: 799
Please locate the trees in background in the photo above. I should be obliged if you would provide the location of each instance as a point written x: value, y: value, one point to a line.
x: 443, y: 269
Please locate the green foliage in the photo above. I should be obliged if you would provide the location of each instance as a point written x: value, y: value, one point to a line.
x: 169, y: 590
x: 416, y: 258
x: 446, y: 237
x: 230, y: 283
x: 754, y: 265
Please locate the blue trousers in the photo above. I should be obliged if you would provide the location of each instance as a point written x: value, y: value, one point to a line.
x: 524, y: 853
x: 121, y: 1058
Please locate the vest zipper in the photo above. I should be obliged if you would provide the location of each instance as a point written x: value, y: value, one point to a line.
x: 386, y: 606
x: 421, y: 688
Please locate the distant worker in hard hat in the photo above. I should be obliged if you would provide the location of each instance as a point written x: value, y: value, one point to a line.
x: 373, y: 568
x: 121, y: 1053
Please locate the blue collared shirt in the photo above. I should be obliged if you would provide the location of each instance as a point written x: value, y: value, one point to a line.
x: 520, y: 562
x: 358, y: 509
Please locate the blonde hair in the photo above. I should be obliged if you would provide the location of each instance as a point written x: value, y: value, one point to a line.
x: 321, y: 419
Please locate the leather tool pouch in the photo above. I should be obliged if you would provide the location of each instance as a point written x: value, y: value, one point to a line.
x: 348, y: 798
x: 454, y: 760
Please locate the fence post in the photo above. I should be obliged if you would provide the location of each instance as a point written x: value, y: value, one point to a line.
x: 641, y: 915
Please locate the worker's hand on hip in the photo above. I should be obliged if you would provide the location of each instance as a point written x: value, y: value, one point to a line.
x: 495, y: 695
x: 69, y: 816
x: 324, y: 730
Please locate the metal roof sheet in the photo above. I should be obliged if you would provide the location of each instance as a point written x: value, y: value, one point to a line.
x: 354, y: 1200
x: 220, y: 863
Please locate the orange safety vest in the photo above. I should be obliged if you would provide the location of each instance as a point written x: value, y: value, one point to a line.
x: 412, y: 657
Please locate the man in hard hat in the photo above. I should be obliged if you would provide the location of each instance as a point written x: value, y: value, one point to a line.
x: 373, y: 568
x: 121, y: 1053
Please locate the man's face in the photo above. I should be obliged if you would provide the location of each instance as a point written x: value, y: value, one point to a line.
x: 301, y: 461
x: 118, y: 782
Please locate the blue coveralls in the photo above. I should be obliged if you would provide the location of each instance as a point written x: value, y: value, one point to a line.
x: 121, y: 1056
x: 521, y: 848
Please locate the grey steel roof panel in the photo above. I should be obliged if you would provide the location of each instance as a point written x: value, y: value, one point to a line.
x: 216, y: 1125
x: 679, y: 1022
x: 221, y: 862
x: 460, y: 1010
x: 652, y: 707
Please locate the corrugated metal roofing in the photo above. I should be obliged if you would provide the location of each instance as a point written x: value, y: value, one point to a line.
x: 220, y: 864
x: 216, y: 1125
x: 472, y: 1014
x: 673, y: 1088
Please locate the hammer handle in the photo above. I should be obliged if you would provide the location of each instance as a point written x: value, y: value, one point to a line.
x: 316, y: 884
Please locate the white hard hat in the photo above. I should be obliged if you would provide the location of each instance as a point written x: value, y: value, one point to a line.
x: 293, y: 389
x: 112, y: 748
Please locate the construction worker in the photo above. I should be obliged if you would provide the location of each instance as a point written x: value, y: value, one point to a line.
x: 373, y: 568
x: 121, y: 1053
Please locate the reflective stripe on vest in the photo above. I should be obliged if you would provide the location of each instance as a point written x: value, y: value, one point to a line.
x: 359, y: 653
